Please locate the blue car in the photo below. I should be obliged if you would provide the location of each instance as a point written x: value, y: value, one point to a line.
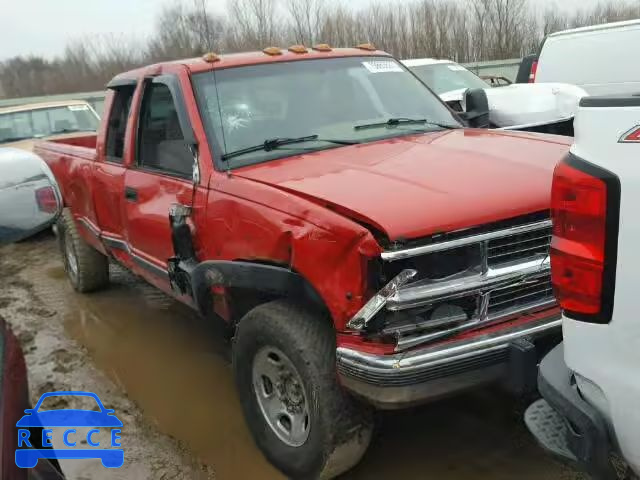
x: 70, y: 418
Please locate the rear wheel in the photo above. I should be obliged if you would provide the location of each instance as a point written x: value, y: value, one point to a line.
x: 87, y: 269
x: 284, y: 365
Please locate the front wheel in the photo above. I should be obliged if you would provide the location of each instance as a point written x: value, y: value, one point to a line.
x: 284, y: 365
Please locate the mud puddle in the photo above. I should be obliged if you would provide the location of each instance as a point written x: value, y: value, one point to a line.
x: 172, y: 364
x: 174, y: 368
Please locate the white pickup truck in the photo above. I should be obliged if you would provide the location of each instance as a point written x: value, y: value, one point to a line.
x: 590, y: 411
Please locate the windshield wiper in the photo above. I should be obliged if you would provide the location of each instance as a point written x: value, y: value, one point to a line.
x: 275, y: 143
x: 395, y: 121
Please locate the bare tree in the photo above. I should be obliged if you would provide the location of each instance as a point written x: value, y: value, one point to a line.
x: 553, y: 21
x: 341, y: 27
x: 468, y: 30
x: 253, y: 24
x: 306, y: 20
x: 183, y: 31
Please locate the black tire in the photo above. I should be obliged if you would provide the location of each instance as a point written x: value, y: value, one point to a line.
x: 340, y: 428
x: 91, y: 270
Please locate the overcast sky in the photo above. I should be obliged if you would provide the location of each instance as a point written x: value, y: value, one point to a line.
x: 45, y: 26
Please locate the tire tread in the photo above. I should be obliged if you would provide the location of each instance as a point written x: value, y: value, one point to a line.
x: 93, y: 266
x: 348, y: 424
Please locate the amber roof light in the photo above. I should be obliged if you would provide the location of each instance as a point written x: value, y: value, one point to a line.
x: 322, y: 47
x: 210, y: 57
x: 366, y: 46
x: 298, y: 49
x: 272, y: 51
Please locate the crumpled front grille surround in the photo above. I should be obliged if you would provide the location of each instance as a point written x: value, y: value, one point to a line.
x: 497, y: 275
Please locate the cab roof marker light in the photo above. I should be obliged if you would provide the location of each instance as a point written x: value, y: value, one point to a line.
x: 367, y: 46
x: 322, y: 47
x: 211, y: 57
x: 379, y: 300
x: 273, y: 51
x: 298, y: 49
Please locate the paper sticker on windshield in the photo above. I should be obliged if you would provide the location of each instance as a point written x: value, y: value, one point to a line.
x: 456, y: 68
x: 382, y: 66
x: 78, y: 108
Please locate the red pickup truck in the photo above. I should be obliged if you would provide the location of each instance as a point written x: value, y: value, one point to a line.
x: 363, y: 247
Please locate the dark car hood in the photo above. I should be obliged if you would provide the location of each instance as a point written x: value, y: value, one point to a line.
x: 414, y: 186
x: 69, y: 418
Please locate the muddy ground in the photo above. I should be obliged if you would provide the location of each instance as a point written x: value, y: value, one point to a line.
x: 166, y: 373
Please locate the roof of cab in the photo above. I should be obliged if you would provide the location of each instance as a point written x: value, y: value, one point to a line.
x: 37, y: 106
x: 595, y: 28
x: 198, y: 64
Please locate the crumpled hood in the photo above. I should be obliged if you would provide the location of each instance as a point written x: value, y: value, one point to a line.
x: 453, y: 95
x: 415, y: 186
x: 527, y: 104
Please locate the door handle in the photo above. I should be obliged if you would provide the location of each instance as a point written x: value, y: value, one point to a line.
x: 131, y: 194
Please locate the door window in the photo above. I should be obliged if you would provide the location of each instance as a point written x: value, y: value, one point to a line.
x: 117, y: 125
x: 161, y: 144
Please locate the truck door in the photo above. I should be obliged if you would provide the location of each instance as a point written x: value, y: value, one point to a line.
x: 161, y: 175
x: 109, y: 168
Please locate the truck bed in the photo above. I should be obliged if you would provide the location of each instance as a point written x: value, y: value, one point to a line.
x: 71, y: 160
x: 83, y: 146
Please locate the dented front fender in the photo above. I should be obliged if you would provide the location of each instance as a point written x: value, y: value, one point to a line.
x: 251, y: 222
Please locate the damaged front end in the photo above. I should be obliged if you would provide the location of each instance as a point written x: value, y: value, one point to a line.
x: 459, y: 282
x: 461, y: 310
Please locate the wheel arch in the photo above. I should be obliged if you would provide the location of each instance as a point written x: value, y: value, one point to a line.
x: 267, y: 282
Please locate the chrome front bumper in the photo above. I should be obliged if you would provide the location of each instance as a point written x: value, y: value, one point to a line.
x: 418, y: 376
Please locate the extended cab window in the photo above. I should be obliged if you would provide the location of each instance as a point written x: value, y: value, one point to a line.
x: 244, y: 106
x: 117, y: 125
x: 161, y: 143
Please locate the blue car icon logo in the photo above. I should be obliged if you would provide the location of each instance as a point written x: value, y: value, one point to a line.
x: 69, y: 419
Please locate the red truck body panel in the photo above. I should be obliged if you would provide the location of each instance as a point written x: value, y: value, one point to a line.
x: 414, y: 186
x: 315, y: 214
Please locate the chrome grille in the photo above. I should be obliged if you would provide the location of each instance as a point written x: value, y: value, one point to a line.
x: 519, y: 246
x: 507, y: 276
x: 521, y: 295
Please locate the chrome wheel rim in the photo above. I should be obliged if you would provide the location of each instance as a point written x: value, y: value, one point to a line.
x: 281, y: 396
x: 70, y: 253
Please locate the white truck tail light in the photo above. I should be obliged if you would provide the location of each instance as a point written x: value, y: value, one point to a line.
x: 534, y: 70
x: 585, y: 203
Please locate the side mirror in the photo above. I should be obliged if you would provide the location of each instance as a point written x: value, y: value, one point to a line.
x: 476, y: 106
x: 30, y: 199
